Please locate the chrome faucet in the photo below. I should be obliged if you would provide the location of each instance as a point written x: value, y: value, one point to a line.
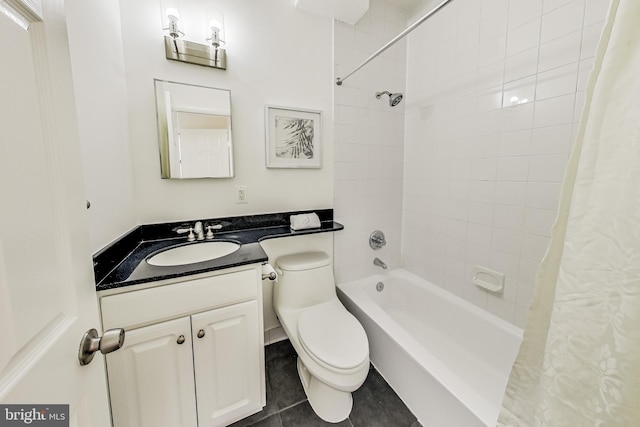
x: 197, y: 231
x: 197, y: 228
x: 379, y: 263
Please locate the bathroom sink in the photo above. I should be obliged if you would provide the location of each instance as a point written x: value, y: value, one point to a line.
x: 192, y: 253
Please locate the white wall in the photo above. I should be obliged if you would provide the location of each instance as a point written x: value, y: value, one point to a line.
x: 102, y: 109
x: 276, y: 55
x: 481, y: 176
x: 483, y: 171
x: 369, y: 138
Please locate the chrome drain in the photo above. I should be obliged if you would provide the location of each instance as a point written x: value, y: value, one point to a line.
x: 379, y: 286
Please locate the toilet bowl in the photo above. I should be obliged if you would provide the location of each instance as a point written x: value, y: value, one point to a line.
x: 332, y: 346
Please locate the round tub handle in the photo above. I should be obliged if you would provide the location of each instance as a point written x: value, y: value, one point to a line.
x: 377, y: 240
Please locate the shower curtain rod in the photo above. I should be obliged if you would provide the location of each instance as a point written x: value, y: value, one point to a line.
x: 412, y: 27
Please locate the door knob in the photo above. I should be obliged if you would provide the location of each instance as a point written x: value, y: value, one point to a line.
x: 112, y: 340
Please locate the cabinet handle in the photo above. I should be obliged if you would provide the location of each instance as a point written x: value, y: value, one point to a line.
x: 200, y: 333
x: 180, y: 339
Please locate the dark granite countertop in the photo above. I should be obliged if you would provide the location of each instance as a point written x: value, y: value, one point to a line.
x: 123, y: 262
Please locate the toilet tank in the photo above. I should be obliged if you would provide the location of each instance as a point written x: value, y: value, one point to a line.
x: 305, y: 279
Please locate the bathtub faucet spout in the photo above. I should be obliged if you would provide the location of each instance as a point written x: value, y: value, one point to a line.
x: 379, y: 263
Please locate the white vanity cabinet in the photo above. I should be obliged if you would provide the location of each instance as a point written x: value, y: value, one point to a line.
x: 151, y: 379
x: 226, y: 363
x: 193, y: 352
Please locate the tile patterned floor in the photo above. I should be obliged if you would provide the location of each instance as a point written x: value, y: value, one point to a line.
x: 374, y: 404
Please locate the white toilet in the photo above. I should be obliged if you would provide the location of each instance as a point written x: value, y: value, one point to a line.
x: 332, y: 346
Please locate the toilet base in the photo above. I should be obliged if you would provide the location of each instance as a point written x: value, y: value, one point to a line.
x: 328, y: 403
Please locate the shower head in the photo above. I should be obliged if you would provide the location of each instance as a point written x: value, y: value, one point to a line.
x: 394, y: 98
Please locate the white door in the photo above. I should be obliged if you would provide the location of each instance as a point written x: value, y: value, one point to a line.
x: 151, y: 377
x: 47, y: 294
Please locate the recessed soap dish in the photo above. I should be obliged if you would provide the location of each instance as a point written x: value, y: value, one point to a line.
x: 488, y: 279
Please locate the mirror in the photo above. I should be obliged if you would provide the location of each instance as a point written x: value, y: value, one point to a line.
x: 194, y: 131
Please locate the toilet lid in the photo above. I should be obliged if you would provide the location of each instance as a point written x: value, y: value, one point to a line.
x: 333, y: 335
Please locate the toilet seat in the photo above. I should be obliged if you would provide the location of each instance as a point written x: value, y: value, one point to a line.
x: 332, y: 336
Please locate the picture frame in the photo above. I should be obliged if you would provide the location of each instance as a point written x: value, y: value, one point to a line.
x: 293, y: 137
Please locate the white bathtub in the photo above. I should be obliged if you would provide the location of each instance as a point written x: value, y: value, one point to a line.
x: 447, y: 359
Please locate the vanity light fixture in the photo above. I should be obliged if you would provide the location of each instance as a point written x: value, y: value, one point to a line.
x: 209, y: 55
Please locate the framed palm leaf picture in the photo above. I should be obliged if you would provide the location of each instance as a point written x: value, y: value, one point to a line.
x: 294, y: 137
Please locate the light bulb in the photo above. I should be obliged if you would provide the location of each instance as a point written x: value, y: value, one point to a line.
x: 172, y: 14
x: 215, y: 25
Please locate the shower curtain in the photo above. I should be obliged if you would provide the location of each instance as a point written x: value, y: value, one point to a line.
x: 579, y: 363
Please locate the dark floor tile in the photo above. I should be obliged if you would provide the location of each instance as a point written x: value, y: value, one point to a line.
x: 285, y: 383
x: 302, y: 415
x: 376, y: 404
x: 272, y: 421
x: 278, y: 349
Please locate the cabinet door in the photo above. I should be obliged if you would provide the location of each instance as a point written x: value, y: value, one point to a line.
x: 229, y: 363
x: 151, y: 378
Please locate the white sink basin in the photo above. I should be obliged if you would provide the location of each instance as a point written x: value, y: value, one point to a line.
x: 190, y: 254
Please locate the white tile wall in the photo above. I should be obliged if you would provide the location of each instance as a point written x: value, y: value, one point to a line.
x: 482, y: 183
x: 467, y: 169
x: 369, y: 140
